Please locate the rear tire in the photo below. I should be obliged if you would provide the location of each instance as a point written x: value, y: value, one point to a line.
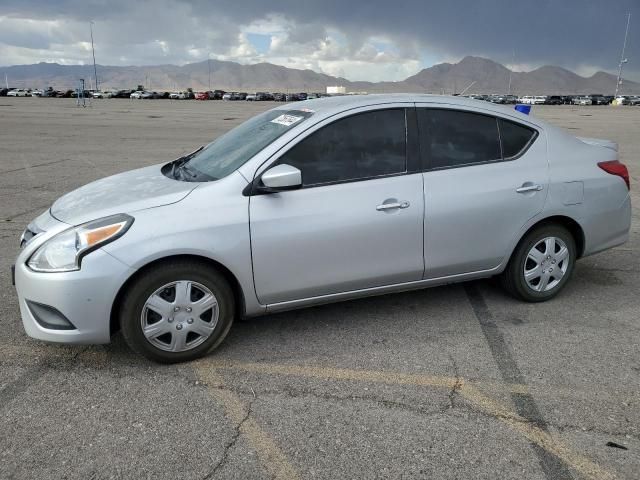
x: 177, y: 311
x: 541, y: 264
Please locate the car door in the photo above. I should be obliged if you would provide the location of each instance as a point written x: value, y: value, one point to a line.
x: 357, y: 221
x: 479, y: 191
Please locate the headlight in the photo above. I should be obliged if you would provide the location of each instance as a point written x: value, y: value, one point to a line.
x: 64, y: 252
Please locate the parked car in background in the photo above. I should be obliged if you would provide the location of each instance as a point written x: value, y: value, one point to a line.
x: 4, y: 91
x: 251, y: 97
x: 582, y: 100
x: 291, y: 97
x: 567, y: 99
x: 535, y: 199
x: 217, y: 94
x: 122, y: 93
x: 84, y: 93
x: 145, y: 95
x: 502, y: 99
x: 18, y: 92
x: 49, y: 92
x: 37, y: 92
x: 178, y: 95
x: 634, y: 100
x: 203, y: 95
x: 234, y: 96
x: 554, y: 100
x: 598, y: 100
x: 533, y: 99
x: 279, y: 97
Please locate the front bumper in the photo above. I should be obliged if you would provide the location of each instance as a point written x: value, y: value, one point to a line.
x: 83, y: 297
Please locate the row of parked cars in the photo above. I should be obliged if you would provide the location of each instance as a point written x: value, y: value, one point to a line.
x: 139, y: 94
x: 594, y: 99
x: 258, y: 96
x: 50, y: 92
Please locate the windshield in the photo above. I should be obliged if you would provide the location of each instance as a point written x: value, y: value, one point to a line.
x: 230, y: 151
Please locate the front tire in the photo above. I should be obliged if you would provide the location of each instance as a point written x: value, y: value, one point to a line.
x: 177, y: 311
x: 541, y: 265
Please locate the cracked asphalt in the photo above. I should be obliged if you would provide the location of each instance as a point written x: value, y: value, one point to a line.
x: 458, y: 381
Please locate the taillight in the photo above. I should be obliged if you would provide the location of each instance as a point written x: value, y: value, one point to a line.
x: 615, y: 167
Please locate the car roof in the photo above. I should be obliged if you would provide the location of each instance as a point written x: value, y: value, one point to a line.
x: 328, y: 106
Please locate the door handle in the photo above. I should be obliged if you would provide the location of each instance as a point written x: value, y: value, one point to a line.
x: 391, y: 206
x: 529, y: 188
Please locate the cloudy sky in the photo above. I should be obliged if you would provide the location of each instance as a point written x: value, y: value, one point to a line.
x: 358, y: 39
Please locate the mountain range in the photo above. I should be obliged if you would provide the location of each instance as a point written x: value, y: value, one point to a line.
x: 475, y: 74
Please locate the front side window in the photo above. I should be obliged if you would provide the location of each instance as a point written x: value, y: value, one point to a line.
x: 450, y: 138
x: 364, y: 145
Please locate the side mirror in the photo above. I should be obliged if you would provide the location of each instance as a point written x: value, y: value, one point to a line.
x: 281, y: 177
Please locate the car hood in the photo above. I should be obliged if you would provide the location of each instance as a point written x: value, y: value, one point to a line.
x: 123, y: 193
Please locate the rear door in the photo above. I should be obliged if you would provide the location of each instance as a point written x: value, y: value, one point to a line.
x: 356, y: 223
x: 479, y: 190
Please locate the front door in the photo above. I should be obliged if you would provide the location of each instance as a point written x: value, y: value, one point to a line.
x: 357, y: 221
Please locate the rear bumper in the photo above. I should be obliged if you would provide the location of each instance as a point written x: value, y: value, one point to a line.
x: 607, y: 229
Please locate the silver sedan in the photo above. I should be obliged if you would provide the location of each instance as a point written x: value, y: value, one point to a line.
x: 325, y: 200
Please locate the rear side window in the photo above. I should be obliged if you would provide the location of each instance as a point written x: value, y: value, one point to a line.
x: 450, y: 138
x: 515, y: 138
x: 364, y: 145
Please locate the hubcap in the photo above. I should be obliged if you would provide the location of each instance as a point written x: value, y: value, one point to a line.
x: 179, y: 316
x: 546, y: 264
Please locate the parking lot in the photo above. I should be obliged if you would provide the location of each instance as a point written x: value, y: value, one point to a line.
x: 458, y: 381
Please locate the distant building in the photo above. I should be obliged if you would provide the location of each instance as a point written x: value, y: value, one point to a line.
x: 336, y: 90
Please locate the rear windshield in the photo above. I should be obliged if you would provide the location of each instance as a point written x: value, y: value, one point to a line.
x: 230, y: 151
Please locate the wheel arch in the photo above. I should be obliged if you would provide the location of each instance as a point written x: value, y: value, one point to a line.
x: 569, y: 223
x: 238, y: 294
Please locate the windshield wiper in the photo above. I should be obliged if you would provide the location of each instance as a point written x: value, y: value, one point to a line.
x: 179, y: 165
x: 185, y: 168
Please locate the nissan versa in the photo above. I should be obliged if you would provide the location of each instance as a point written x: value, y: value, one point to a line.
x: 327, y: 200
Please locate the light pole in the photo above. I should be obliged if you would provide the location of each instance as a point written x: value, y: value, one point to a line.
x: 95, y: 71
x: 209, y: 65
x: 622, y: 59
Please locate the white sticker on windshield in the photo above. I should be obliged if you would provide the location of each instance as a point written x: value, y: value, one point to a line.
x: 286, y: 120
